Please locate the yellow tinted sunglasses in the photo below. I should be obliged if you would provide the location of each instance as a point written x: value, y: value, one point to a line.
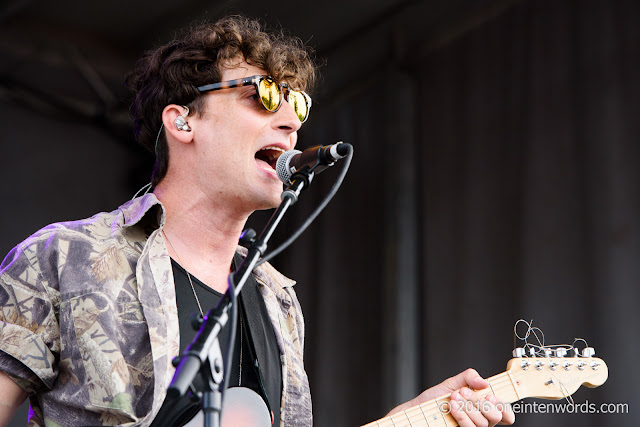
x: 270, y: 93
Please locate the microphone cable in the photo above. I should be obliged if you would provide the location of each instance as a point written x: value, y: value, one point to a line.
x: 332, y: 192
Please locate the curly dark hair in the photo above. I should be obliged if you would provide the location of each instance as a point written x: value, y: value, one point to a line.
x: 171, y: 73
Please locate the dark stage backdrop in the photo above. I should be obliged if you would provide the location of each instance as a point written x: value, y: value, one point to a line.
x: 495, y: 178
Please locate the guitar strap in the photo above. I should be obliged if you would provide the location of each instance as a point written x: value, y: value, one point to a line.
x: 264, y: 344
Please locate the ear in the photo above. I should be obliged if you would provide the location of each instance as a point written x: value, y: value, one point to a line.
x: 169, y: 115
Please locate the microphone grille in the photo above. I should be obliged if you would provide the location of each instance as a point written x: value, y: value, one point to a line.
x: 282, y: 165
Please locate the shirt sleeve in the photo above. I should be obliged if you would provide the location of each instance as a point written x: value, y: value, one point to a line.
x: 29, y: 330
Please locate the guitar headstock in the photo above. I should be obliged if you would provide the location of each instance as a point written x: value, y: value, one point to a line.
x: 553, y: 377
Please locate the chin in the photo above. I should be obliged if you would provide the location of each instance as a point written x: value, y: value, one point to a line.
x: 269, y: 202
x: 275, y: 202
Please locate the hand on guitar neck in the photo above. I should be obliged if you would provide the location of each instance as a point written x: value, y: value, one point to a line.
x: 550, y: 375
x: 490, y: 411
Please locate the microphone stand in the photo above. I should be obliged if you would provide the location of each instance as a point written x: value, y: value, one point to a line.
x: 203, y: 354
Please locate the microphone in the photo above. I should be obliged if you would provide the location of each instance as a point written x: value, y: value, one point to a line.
x: 318, y: 158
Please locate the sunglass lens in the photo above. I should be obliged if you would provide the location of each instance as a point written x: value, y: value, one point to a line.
x: 299, y: 104
x: 269, y: 94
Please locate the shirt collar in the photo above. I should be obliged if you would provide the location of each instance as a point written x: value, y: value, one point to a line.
x: 136, y: 209
x: 266, y: 274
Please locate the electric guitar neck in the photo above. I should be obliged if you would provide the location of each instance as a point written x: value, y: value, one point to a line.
x: 541, y: 377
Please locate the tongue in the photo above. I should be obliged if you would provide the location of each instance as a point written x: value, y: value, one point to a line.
x: 263, y: 164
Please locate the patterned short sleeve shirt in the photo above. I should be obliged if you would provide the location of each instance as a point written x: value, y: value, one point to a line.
x: 88, y: 321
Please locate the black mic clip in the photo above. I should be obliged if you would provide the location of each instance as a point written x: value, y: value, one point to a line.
x: 247, y: 238
x: 300, y: 180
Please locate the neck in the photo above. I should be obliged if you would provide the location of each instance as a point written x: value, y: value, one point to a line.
x: 202, y: 236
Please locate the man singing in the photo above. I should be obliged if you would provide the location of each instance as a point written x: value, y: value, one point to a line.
x: 93, y: 311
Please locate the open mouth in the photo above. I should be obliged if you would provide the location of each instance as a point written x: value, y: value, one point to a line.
x: 269, y: 155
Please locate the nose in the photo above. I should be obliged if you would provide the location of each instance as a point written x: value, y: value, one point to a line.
x: 286, y: 118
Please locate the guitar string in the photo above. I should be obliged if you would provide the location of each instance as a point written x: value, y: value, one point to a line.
x: 541, y: 347
x: 498, y: 383
x: 501, y: 382
x: 411, y: 413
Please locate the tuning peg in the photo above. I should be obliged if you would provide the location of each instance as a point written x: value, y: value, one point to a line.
x: 561, y: 352
x: 518, y: 352
x: 588, y: 352
x: 547, y: 352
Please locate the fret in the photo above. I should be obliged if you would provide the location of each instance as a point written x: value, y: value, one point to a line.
x: 425, y: 415
x: 408, y: 419
x: 497, y: 385
x: 492, y: 390
x: 440, y: 410
x: 513, y: 384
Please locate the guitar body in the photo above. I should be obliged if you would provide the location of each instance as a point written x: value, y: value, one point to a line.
x: 242, y: 407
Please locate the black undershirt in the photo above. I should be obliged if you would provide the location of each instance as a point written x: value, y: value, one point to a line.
x: 261, y: 369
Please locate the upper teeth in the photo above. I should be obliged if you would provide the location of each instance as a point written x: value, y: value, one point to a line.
x: 272, y: 148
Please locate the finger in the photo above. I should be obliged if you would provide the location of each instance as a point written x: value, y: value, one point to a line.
x: 468, y: 378
x: 508, y: 416
x: 481, y: 411
x: 493, y: 410
x: 457, y: 411
x: 473, y: 380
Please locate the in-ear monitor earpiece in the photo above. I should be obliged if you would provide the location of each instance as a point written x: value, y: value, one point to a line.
x: 181, y: 123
